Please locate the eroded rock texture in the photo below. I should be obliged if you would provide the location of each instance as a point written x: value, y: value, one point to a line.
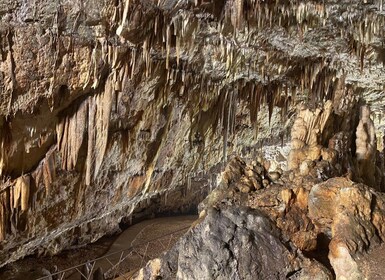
x: 312, y: 211
x: 285, y: 230
x: 233, y: 243
x: 111, y: 107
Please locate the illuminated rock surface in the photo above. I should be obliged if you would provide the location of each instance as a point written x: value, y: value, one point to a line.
x: 115, y: 110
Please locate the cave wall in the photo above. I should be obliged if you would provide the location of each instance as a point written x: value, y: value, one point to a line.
x: 113, y: 107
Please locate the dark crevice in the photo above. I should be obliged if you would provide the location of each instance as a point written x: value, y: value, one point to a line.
x: 156, y: 208
x: 321, y: 253
x: 291, y: 273
x: 372, y: 208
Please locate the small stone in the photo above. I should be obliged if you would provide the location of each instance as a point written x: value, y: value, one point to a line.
x: 314, y: 153
x: 259, y: 160
x: 266, y: 164
x: 274, y: 175
x: 249, y: 171
x: 265, y: 183
x: 291, y: 176
x: 273, y: 166
x: 244, y: 188
x: 304, y: 168
x: 256, y: 184
x: 297, y: 144
x: 286, y: 195
x: 328, y: 155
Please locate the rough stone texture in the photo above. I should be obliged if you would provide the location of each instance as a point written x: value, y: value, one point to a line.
x: 320, y: 214
x: 335, y: 222
x: 233, y: 243
x: 112, y: 106
x: 352, y: 215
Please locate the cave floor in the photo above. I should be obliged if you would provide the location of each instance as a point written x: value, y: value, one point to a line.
x: 372, y: 264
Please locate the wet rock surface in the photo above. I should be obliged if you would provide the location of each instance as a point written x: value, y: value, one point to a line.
x: 113, y: 110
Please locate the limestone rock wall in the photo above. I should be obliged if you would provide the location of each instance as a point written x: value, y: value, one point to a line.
x: 111, y: 107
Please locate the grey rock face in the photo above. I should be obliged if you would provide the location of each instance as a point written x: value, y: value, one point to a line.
x: 108, y: 106
x: 233, y: 243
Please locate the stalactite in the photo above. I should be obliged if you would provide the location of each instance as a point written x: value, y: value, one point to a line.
x: 133, y: 62
x: 90, y: 160
x: 20, y: 194
x: 3, y: 215
x: 17, y: 193
x: 119, y: 30
x: 237, y: 14
x: 49, y: 171
x: 98, y: 125
x: 70, y: 133
x: 24, y: 182
x: 177, y: 49
x: 3, y: 156
x: 38, y: 175
x: 145, y: 55
x: 5, y: 134
x: 362, y: 52
x: 168, y: 45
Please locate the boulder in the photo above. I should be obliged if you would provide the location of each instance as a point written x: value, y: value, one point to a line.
x: 233, y: 243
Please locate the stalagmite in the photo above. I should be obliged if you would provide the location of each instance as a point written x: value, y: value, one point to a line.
x: 366, y: 144
x: 306, y: 131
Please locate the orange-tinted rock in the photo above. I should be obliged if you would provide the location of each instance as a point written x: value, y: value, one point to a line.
x: 352, y: 215
x: 304, y: 240
x: 136, y: 184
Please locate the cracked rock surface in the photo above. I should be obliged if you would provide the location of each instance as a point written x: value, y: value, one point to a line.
x: 113, y: 110
x: 316, y: 224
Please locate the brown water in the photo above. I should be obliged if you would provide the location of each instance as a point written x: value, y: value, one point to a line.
x: 33, y: 267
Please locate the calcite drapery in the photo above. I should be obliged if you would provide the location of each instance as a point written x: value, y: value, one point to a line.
x: 97, y: 93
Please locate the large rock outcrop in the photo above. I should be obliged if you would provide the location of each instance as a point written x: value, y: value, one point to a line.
x: 320, y: 214
x: 231, y: 243
x: 352, y: 216
x: 282, y: 231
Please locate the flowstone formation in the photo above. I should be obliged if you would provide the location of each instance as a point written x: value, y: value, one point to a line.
x: 306, y: 223
x: 113, y: 110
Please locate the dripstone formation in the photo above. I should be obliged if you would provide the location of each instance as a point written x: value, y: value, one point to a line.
x: 310, y: 222
x: 111, y: 111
